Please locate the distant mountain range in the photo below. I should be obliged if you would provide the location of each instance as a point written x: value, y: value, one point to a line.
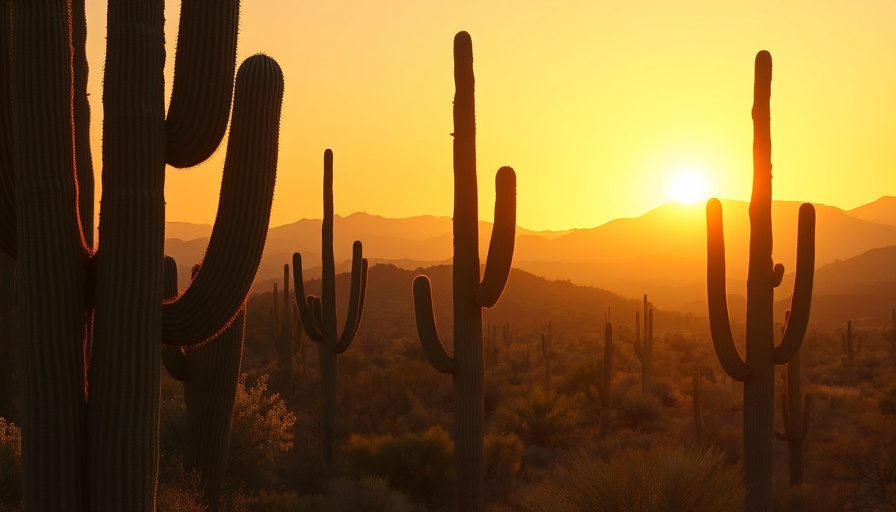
x: 662, y: 253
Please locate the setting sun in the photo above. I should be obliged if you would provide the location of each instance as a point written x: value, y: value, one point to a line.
x: 687, y: 186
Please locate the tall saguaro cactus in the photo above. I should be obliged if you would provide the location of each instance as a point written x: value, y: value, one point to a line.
x: 470, y: 294
x: 546, y: 354
x: 90, y: 439
x: 852, y: 344
x: 796, y: 419
x: 285, y: 325
x: 644, y: 350
x: 757, y: 372
x: 318, y: 315
x: 605, y: 378
x: 210, y: 372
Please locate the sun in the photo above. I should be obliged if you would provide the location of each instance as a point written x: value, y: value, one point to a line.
x: 688, y: 186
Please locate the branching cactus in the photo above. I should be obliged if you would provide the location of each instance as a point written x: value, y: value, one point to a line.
x: 286, y: 333
x: 644, y: 350
x: 546, y: 354
x: 796, y: 418
x: 209, y: 372
x: 470, y: 294
x: 605, y: 378
x: 757, y: 372
x: 852, y: 344
x: 90, y: 439
x: 318, y: 315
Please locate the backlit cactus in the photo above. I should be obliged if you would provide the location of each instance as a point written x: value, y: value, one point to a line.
x: 852, y: 344
x: 795, y: 417
x: 644, y: 350
x: 318, y: 315
x: 757, y: 372
x: 286, y: 329
x: 90, y: 439
x: 546, y: 354
x: 605, y: 378
x: 470, y: 294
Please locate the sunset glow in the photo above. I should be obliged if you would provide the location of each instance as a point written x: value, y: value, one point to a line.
x: 688, y: 186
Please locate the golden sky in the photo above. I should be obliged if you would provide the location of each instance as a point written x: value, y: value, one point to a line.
x: 596, y: 104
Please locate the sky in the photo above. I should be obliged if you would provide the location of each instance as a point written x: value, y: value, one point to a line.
x: 597, y: 105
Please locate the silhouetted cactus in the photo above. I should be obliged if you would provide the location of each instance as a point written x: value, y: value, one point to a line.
x: 318, y: 315
x: 796, y: 419
x: 8, y: 345
x: 284, y: 321
x: 758, y: 371
x: 605, y: 378
x: 546, y: 354
x: 698, y: 407
x: 209, y: 372
x: 851, y: 344
x: 91, y: 441
x: 644, y: 350
x: 470, y: 295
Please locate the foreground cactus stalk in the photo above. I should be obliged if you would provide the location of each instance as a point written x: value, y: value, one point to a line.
x: 470, y: 295
x: 757, y: 372
x: 91, y: 356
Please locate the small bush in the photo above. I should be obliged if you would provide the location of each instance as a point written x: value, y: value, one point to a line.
x: 541, y: 418
x: 640, y: 412
x: 503, y: 455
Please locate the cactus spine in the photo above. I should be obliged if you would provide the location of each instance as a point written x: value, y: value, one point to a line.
x: 851, y: 344
x: 209, y: 372
x: 90, y: 439
x: 758, y: 371
x: 318, y: 315
x: 644, y: 350
x: 605, y: 378
x: 470, y: 295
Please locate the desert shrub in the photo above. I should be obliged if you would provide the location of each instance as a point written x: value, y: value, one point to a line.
x: 422, y: 465
x: 261, y: 430
x: 886, y: 401
x: 10, y: 465
x: 367, y: 495
x: 803, y: 498
x: 661, y: 479
x: 178, y: 490
x: 640, y: 412
x: 541, y: 418
x: 665, y: 393
x: 503, y: 455
x: 580, y: 378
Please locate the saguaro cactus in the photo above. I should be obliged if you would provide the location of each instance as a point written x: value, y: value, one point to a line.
x: 90, y: 441
x: 470, y: 295
x: 698, y: 409
x: 605, y: 378
x: 8, y: 345
x: 209, y: 372
x: 546, y: 354
x: 758, y: 371
x: 851, y: 344
x: 318, y: 315
x: 644, y: 350
x: 796, y: 419
x: 286, y: 333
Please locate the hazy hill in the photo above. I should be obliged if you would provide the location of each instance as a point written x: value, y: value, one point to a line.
x: 661, y: 252
x: 882, y: 211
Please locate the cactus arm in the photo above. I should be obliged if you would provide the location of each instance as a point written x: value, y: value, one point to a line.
x: 219, y: 289
x: 777, y: 275
x: 81, y: 114
x: 357, y: 294
x: 426, y: 327
x: 317, y: 315
x: 802, y: 288
x: 203, y: 80
x: 719, y: 323
x: 500, y: 249
x: 302, y: 302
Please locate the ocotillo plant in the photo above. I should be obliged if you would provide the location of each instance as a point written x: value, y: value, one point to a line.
x: 698, y: 409
x: 644, y: 350
x: 605, y: 378
x: 209, y: 372
x: 319, y: 314
x: 758, y: 371
x: 90, y: 438
x: 851, y: 344
x: 470, y: 295
x: 285, y: 333
x: 546, y: 353
x: 795, y: 418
